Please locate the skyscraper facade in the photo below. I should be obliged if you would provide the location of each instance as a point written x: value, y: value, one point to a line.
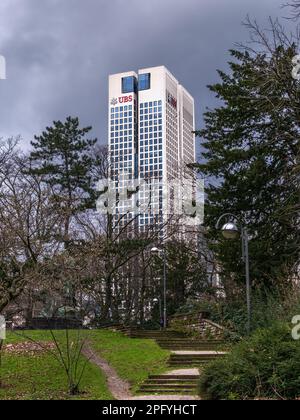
x: 151, y: 144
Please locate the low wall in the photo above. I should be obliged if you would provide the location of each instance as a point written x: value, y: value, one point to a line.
x: 53, y: 324
x: 199, y: 324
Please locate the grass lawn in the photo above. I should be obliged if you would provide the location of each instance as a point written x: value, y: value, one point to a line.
x: 41, y: 377
x: 133, y: 359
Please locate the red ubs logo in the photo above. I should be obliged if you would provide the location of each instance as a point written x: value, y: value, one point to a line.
x: 125, y: 99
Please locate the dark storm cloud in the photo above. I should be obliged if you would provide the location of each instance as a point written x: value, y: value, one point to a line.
x: 60, y: 52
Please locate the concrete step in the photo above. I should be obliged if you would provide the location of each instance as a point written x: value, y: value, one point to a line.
x: 190, y: 361
x: 180, y: 359
x: 195, y: 356
x: 171, y: 381
x: 194, y: 362
x: 169, y: 343
x: 198, y: 340
x: 160, y: 333
x: 187, y: 348
x: 168, y: 386
x: 172, y: 377
x: 190, y: 343
x: 152, y: 336
x: 154, y: 391
x: 191, y: 349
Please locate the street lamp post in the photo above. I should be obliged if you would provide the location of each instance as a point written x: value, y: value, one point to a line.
x: 156, y: 251
x: 231, y: 231
x: 158, y: 300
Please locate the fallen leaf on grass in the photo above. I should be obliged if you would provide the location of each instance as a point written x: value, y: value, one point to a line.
x: 28, y: 348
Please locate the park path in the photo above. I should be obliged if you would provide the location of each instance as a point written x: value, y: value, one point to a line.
x: 119, y: 388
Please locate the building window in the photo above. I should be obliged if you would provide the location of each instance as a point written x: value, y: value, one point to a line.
x: 144, y: 81
x: 129, y: 84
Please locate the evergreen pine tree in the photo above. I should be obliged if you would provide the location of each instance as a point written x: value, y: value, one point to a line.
x: 62, y: 154
x: 251, y: 148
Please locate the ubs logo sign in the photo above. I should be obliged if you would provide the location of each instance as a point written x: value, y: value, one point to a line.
x: 121, y: 100
x: 125, y: 99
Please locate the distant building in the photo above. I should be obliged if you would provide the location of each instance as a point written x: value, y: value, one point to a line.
x: 151, y: 142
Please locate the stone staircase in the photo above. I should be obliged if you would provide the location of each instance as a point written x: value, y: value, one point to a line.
x: 192, y: 359
x: 187, y: 356
x: 184, y: 343
x: 170, y: 384
x: 154, y: 334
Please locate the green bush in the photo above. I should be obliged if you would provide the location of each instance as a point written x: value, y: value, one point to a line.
x: 266, y: 308
x: 266, y: 365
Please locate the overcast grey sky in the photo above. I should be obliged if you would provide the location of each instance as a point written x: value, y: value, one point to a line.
x: 60, y: 52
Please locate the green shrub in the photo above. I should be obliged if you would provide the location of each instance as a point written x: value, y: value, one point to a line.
x: 266, y: 308
x: 266, y: 365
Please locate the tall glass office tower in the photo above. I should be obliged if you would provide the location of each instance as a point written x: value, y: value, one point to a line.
x: 151, y: 142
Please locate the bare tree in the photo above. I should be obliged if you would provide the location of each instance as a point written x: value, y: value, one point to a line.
x: 294, y: 5
x: 29, y: 226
